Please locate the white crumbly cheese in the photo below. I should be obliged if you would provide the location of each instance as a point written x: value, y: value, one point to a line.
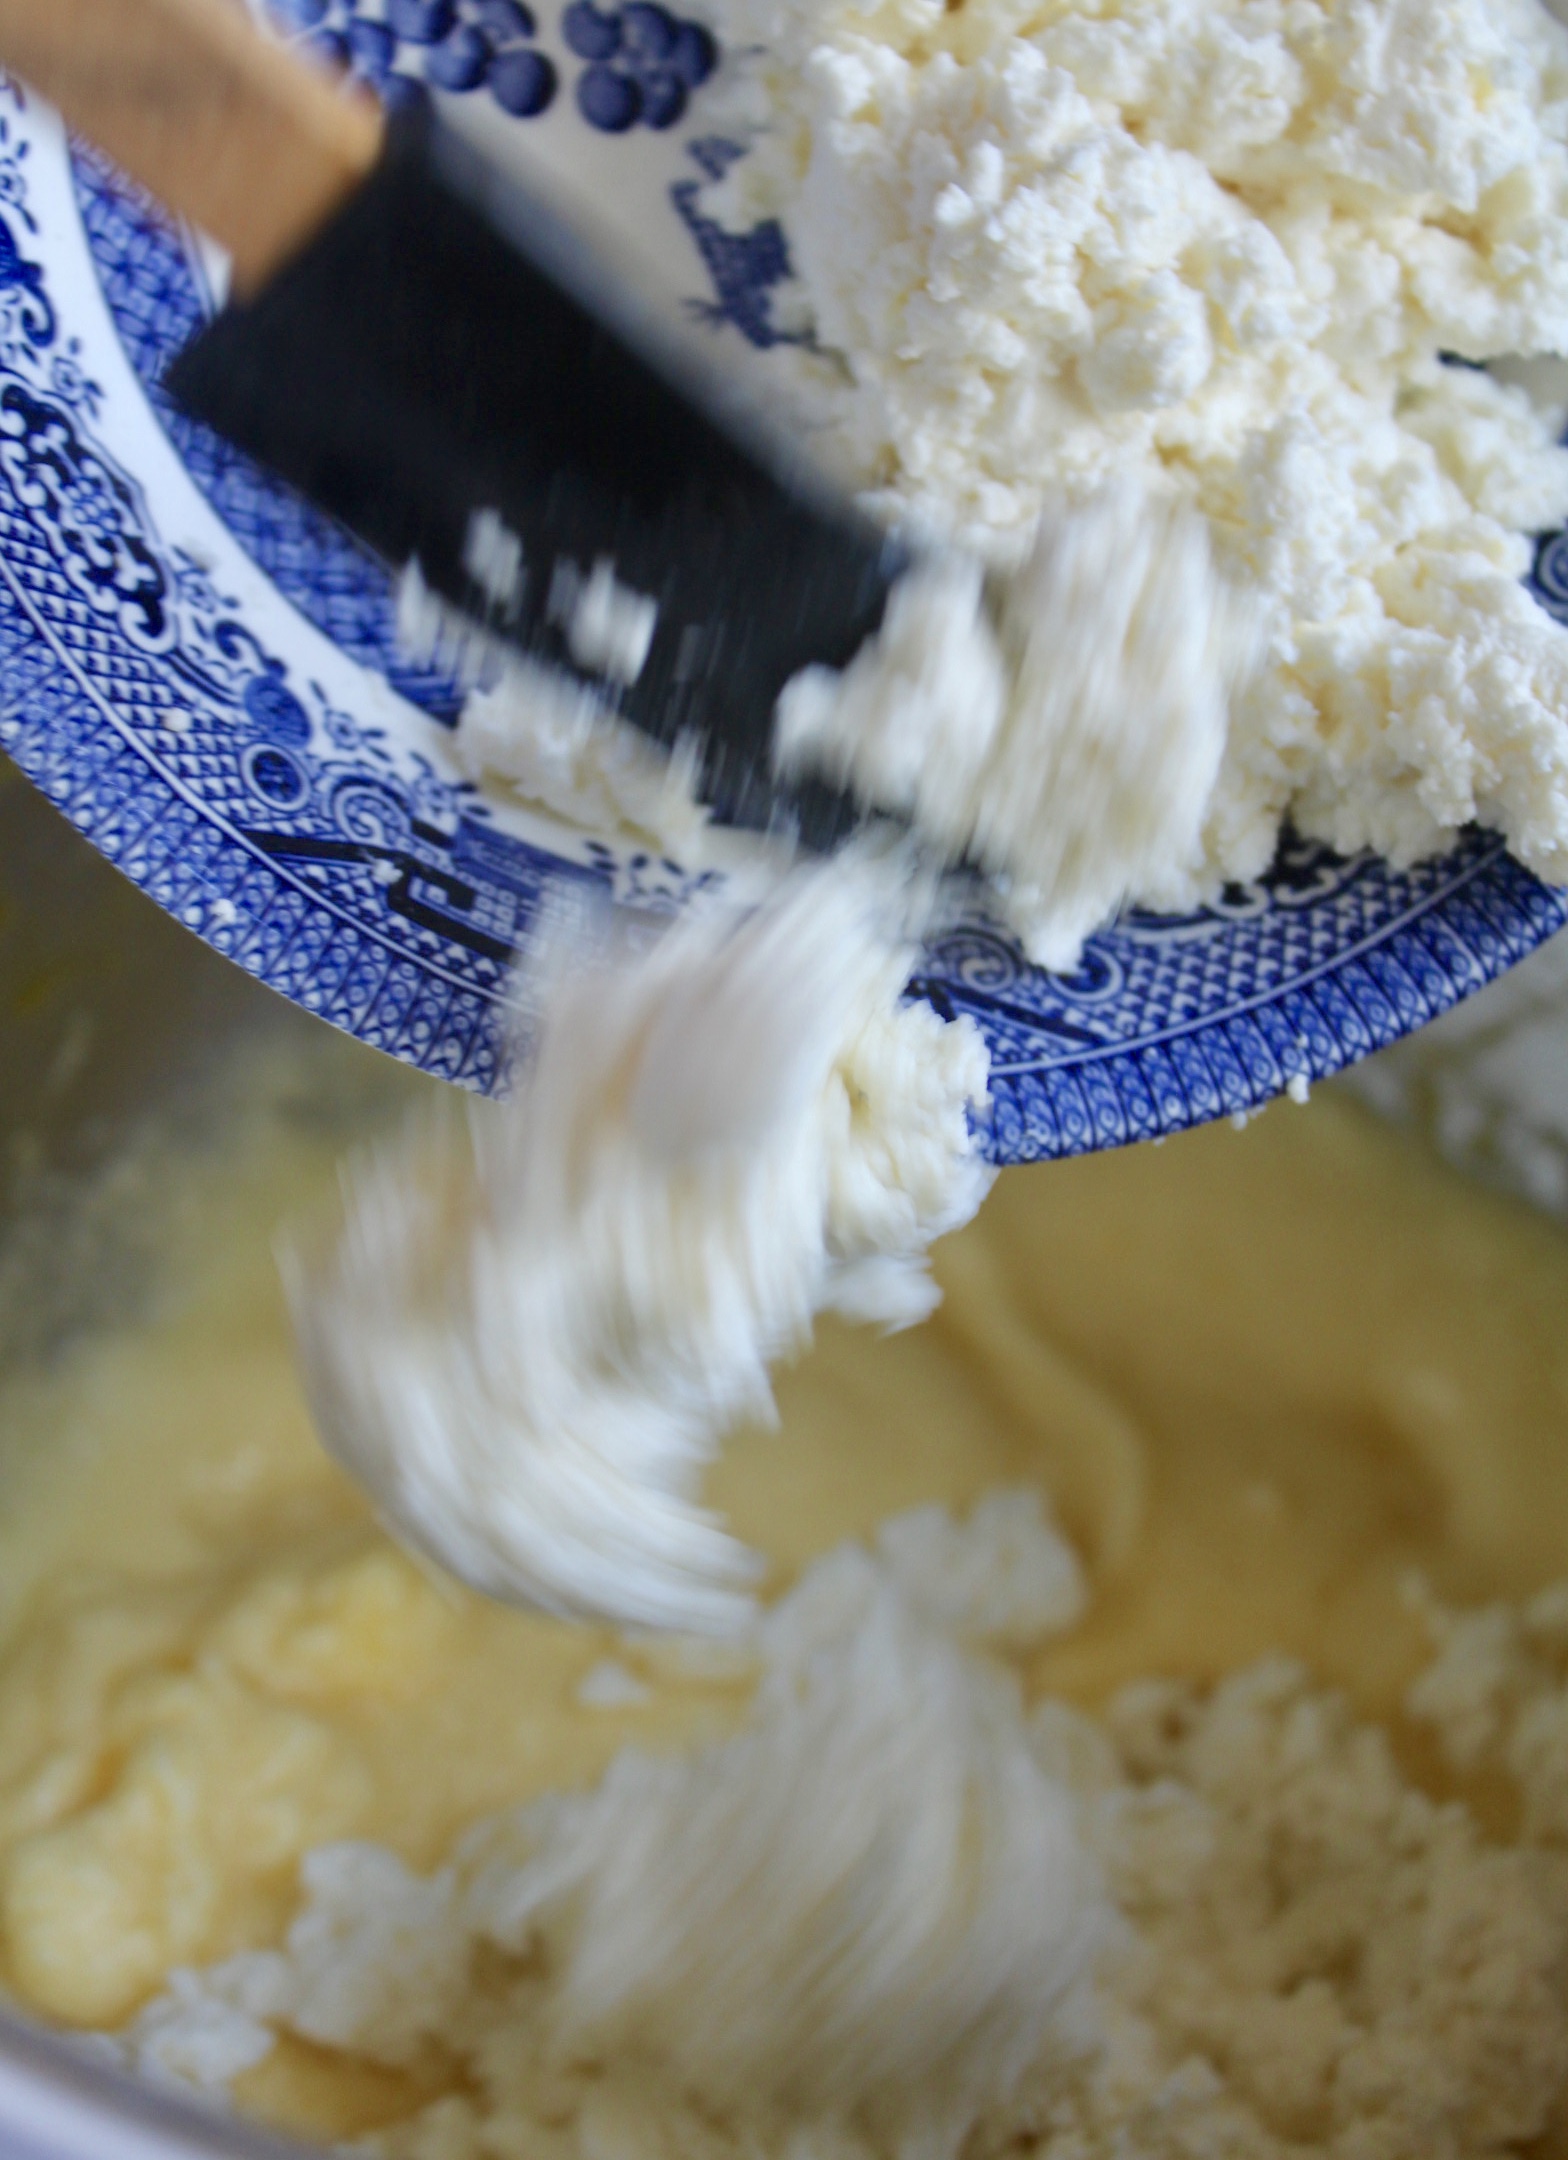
x: 1497, y: 1695
x: 556, y: 742
x: 547, y: 733
x: 870, y: 1904
x: 1058, y: 724
x: 1216, y: 246
x: 1001, y: 1576
x: 899, y: 1914
x: 1325, y: 1959
x: 493, y: 558
x: 869, y: 1911
x: 202, y: 2030
x: 609, y: 626
x: 1069, y: 749
x: 610, y: 1685
x: 534, y: 1333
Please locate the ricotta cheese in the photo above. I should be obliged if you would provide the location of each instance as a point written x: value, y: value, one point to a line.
x: 1230, y: 248
x: 609, y: 626
x: 1070, y: 748
x: 536, y: 1329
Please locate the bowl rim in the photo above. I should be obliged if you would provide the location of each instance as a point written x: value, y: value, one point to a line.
x: 58, y: 2103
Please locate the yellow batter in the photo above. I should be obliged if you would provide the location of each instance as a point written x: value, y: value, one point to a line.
x: 1265, y: 1377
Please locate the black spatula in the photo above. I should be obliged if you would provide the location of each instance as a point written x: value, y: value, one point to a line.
x: 434, y: 356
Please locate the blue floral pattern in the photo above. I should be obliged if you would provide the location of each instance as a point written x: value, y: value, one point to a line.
x: 232, y: 725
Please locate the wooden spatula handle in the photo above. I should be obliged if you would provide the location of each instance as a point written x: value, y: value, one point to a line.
x: 215, y: 120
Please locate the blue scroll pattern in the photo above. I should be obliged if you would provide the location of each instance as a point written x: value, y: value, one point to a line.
x: 332, y: 859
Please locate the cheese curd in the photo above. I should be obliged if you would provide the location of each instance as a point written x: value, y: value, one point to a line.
x: 1225, y: 247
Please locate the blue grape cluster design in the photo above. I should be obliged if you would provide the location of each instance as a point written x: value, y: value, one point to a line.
x: 643, y: 63
x: 410, y: 47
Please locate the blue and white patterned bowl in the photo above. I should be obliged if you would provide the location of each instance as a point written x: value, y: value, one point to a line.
x: 202, y: 674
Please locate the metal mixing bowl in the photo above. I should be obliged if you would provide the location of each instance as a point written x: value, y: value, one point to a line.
x: 113, y: 1015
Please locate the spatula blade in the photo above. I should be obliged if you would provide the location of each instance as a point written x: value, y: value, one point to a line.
x: 448, y: 371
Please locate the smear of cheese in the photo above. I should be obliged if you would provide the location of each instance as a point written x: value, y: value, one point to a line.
x: 535, y: 1332
x: 1070, y: 748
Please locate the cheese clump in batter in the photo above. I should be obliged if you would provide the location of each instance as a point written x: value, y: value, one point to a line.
x: 896, y: 1911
